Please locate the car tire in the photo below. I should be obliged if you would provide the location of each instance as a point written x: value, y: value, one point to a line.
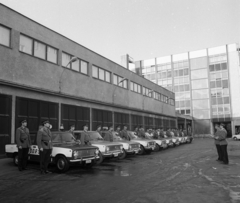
x: 235, y: 138
x: 156, y: 148
x: 142, y: 150
x: 100, y: 160
x: 123, y: 155
x: 62, y: 164
x: 15, y: 159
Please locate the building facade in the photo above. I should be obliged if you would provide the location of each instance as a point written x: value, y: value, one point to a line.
x: 37, y: 82
x: 206, y: 84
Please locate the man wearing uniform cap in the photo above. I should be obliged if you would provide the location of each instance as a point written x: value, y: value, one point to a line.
x: 223, y: 143
x: 118, y: 131
x: 109, y: 134
x: 99, y: 129
x: 124, y: 133
x: 85, y: 138
x: 141, y: 133
x: 23, y: 143
x: 44, y: 142
x: 136, y: 131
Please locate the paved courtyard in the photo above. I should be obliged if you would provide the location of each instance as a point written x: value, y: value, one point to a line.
x: 188, y: 173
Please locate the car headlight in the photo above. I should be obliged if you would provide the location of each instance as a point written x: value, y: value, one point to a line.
x: 75, y: 154
x: 121, y: 147
x: 97, y: 152
x: 129, y: 147
x: 107, y: 149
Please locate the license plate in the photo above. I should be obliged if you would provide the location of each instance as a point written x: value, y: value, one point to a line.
x: 115, y: 154
x: 88, y: 161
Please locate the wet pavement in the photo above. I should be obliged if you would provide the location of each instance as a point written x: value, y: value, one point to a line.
x: 187, y: 173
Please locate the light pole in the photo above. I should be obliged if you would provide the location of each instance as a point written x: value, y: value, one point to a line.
x: 113, y: 95
x: 73, y: 59
x: 145, y: 97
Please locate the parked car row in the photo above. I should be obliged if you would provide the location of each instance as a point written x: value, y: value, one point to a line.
x: 68, y: 150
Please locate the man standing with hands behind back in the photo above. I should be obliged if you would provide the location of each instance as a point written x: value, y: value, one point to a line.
x: 23, y: 143
x: 44, y: 142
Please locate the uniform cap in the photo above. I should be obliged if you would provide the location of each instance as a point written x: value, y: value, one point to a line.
x: 23, y: 121
x: 99, y: 126
x: 45, y: 121
x: 85, y: 125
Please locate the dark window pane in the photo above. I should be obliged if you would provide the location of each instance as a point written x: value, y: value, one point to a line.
x: 226, y: 100
x: 186, y: 71
x: 44, y: 109
x: 225, y: 83
x: 220, y: 100
x: 33, y: 108
x: 211, y: 67
x: 218, y: 83
x: 223, y: 66
x: 217, y: 67
x: 212, y: 84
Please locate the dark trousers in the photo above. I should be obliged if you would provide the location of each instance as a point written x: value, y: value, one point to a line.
x: 224, y: 153
x: 219, y: 151
x: 45, y: 159
x: 22, y: 158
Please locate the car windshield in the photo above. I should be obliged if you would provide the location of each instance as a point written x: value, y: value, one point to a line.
x: 63, y: 137
x: 95, y: 136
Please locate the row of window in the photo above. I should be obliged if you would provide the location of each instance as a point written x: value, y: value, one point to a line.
x: 181, y: 64
x: 222, y: 109
x: 219, y: 84
x: 218, y: 67
x: 182, y: 88
x: 182, y: 95
x: 184, y: 111
x: 183, y: 104
x: 220, y: 100
x: 43, y: 51
x: 147, y: 92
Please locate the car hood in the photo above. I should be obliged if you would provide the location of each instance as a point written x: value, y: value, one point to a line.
x: 73, y: 146
x: 100, y: 142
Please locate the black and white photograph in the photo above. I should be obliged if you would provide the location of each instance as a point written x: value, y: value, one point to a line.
x: 119, y: 101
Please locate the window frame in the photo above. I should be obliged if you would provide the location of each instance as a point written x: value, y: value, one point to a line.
x: 118, y: 77
x: 10, y: 36
x: 109, y: 82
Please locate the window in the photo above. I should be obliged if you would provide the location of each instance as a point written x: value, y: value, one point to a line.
x: 199, y: 84
x: 84, y: 67
x: 51, y: 54
x: 136, y: 87
x: 200, y: 94
x: 117, y: 81
x: 76, y: 65
x: 197, y: 74
x: 200, y: 104
x: 147, y: 92
x: 157, y: 96
x: 26, y: 44
x: 38, y: 49
x: 5, y: 36
x: 101, y: 74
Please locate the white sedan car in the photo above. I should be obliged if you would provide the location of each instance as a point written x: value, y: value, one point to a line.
x: 236, y: 137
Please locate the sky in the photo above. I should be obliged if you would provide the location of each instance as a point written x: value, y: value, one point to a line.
x: 143, y: 29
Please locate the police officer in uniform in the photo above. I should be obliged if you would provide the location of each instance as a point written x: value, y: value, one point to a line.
x: 44, y: 142
x: 223, y: 143
x: 217, y: 143
x: 118, y: 131
x: 99, y: 129
x: 124, y: 133
x: 141, y: 133
x: 23, y: 143
x: 109, y: 134
x: 136, y: 131
x: 85, y: 137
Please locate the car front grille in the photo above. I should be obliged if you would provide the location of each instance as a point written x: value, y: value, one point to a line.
x: 114, y: 148
x: 86, y: 153
x: 134, y: 146
x: 150, y: 144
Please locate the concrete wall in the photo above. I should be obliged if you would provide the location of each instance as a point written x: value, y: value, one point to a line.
x: 23, y: 69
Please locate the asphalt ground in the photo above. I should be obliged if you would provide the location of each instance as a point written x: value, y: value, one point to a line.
x: 187, y: 173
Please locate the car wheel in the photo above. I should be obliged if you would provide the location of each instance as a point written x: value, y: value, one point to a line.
x: 235, y: 138
x: 100, y: 160
x: 141, y: 151
x: 156, y: 148
x: 62, y: 164
x: 15, y: 159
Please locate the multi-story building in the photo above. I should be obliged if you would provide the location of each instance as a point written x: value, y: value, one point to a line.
x: 206, y: 84
x: 44, y: 75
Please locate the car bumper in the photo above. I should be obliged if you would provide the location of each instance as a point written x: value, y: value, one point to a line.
x: 133, y: 151
x: 112, y: 154
x: 83, y: 160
